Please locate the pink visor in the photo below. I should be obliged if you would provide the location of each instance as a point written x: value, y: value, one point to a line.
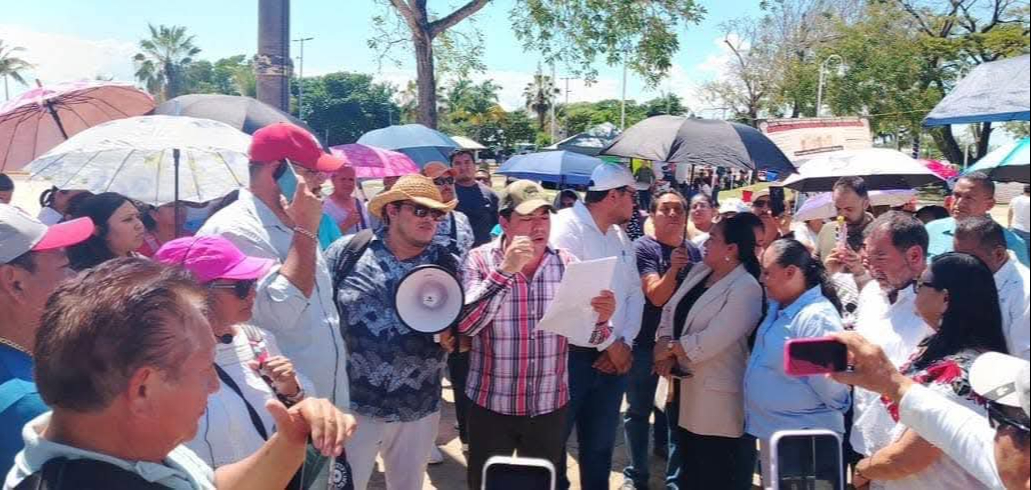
x: 211, y: 258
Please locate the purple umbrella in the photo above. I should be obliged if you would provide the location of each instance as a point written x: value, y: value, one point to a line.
x: 370, y: 162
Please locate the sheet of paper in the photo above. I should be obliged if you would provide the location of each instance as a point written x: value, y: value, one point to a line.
x: 570, y: 314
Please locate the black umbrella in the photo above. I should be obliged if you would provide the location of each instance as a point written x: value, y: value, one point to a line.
x: 682, y: 140
x: 243, y: 113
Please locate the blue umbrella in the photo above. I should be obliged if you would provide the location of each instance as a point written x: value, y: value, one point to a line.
x: 1007, y: 164
x: 421, y: 144
x: 560, y: 167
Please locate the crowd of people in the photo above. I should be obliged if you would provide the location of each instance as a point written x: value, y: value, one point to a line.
x: 240, y: 352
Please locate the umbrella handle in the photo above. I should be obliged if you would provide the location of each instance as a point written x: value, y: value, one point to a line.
x: 57, y: 119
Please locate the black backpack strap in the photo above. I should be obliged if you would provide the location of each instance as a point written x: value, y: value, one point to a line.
x: 255, y: 418
x: 85, y: 474
x: 349, y: 257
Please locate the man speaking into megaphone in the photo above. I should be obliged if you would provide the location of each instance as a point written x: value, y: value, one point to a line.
x: 518, y: 374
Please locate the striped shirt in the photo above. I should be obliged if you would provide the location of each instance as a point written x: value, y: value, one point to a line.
x: 513, y: 368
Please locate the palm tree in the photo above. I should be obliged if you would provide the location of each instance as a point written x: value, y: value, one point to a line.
x: 163, y: 59
x: 540, y: 95
x: 11, y: 66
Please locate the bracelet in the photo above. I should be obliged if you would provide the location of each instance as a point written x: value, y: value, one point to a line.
x: 306, y: 233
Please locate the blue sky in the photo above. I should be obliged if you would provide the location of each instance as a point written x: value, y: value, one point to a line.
x: 77, y: 38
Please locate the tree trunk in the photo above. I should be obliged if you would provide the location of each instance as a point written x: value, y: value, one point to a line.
x: 7, y: 93
x: 984, y: 136
x: 947, y: 145
x: 427, y: 80
x: 272, y: 65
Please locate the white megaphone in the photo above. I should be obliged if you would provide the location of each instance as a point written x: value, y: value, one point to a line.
x: 429, y: 299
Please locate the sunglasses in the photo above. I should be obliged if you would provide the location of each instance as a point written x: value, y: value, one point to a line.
x: 423, y: 211
x: 242, y: 289
x: 997, y: 418
x: 442, y: 181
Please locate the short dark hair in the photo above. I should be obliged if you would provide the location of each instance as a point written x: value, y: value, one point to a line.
x: 105, y: 324
x: 6, y: 184
x: 25, y: 261
x: 594, y: 197
x: 982, y: 180
x: 654, y: 206
x: 984, y: 230
x: 855, y: 184
x: 455, y: 154
x: 791, y: 252
x: 906, y: 231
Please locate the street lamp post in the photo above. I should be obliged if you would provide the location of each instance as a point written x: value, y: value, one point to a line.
x: 819, y: 90
x: 300, y: 79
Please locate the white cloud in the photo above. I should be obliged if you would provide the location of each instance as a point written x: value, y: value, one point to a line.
x: 60, y: 57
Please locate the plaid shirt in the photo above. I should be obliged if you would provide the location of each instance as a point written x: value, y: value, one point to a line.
x: 513, y: 368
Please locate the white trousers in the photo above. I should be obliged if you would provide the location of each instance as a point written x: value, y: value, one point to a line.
x: 404, y: 446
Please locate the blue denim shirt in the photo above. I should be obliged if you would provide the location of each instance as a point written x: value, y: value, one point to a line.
x: 395, y: 373
x: 19, y: 403
x: 775, y: 401
x: 943, y: 234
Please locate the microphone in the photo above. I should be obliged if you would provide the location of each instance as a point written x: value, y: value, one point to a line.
x: 225, y: 339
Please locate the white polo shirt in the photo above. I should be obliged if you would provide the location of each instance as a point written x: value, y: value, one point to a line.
x: 1014, y: 284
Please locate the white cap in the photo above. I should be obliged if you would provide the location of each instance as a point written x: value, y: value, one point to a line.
x: 1002, y: 379
x: 21, y: 233
x: 734, y: 205
x: 608, y: 176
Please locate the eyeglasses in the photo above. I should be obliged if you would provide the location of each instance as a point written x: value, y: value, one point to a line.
x: 309, y: 174
x: 442, y: 181
x: 761, y: 204
x: 242, y: 289
x: 918, y: 285
x: 423, y: 211
x: 484, y: 180
x: 997, y: 418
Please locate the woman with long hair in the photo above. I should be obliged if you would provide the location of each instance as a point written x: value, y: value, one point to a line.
x: 119, y: 230
x: 958, y: 299
x: 703, y: 342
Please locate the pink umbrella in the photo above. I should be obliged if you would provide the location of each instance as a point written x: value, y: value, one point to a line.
x: 371, y: 162
x: 940, y: 169
x: 45, y: 117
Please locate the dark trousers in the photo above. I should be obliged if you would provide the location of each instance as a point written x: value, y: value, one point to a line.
x: 675, y: 460
x: 493, y: 434
x: 595, y: 400
x: 637, y: 426
x: 458, y: 372
x: 710, y: 462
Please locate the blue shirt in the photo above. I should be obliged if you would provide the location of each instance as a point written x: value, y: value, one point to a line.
x: 395, y: 373
x: 775, y: 401
x: 19, y: 403
x: 943, y: 235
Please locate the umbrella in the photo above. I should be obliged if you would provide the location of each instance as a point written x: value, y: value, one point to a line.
x: 590, y: 142
x: 1007, y: 164
x: 153, y: 159
x: 996, y: 91
x: 42, y: 118
x: 881, y: 169
x: 423, y: 145
x: 821, y: 206
x: 940, y: 169
x: 468, y: 144
x: 370, y: 162
x: 560, y: 167
x: 682, y: 140
x: 243, y: 113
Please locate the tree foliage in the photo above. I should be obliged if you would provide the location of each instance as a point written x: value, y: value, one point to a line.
x: 229, y: 76
x: 343, y: 106
x: 163, y: 60
x: 540, y: 95
x: 12, y: 66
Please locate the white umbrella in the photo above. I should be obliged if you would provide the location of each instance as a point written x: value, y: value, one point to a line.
x: 821, y: 206
x: 468, y: 143
x: 881, y: 169
x: 153, y: 159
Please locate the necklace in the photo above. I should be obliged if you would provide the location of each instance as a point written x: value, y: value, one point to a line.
x: 13, y: 345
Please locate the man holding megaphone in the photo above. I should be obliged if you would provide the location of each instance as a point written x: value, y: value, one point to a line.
x: 518, y: 377
x: 395, y: 367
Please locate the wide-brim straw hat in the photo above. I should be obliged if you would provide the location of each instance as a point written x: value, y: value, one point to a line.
x: 414, y: 188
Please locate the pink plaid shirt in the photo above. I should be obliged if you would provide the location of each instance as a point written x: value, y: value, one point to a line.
x: 513, y: 368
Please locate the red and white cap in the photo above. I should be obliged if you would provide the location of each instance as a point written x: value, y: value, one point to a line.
x: 21, y: 233
x: 1002, y: 379
x: 285, y: 141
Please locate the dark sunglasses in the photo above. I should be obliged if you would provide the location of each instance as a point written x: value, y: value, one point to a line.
x: 442, y: 181
x: 241, y: 289
x: 423, y: 211
x: 997, y: 418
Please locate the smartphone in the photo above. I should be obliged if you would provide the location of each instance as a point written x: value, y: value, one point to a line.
x: 808, y: 357
x: 806, y: 460
x: 501, y: 473
x: 777, y: 202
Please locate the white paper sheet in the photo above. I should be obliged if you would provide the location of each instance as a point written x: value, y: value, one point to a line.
x: 570, y: 314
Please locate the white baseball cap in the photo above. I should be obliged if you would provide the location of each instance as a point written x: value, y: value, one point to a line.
x: 21, y: 233
x: 608, y: 176
x: 1002, y: 379
x: 734, y: 205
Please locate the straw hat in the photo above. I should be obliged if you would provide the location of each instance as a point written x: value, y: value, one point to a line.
x: 415, y: 188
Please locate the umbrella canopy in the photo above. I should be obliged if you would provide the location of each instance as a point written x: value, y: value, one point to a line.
x: 590, y: 142
x: 423, y: 145
x: 1007, y: 164
x: 370, y: 162
x: 243, y: 113
x: 468, y: 144
x: 997, y: 91
x: 136, y: 157
x: 560, y: 167
x: 881, y: 169
x: 688, y: 141
x: 821, y: 206
x: 942, y: 170
x: 42, y: 118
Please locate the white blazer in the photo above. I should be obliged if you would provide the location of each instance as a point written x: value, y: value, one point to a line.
x: 715, y: 338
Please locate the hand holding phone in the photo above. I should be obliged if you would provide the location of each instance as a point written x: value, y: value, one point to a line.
x: 809, y: 357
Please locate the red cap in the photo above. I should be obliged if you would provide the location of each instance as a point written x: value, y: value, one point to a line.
x: 286, y: 141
